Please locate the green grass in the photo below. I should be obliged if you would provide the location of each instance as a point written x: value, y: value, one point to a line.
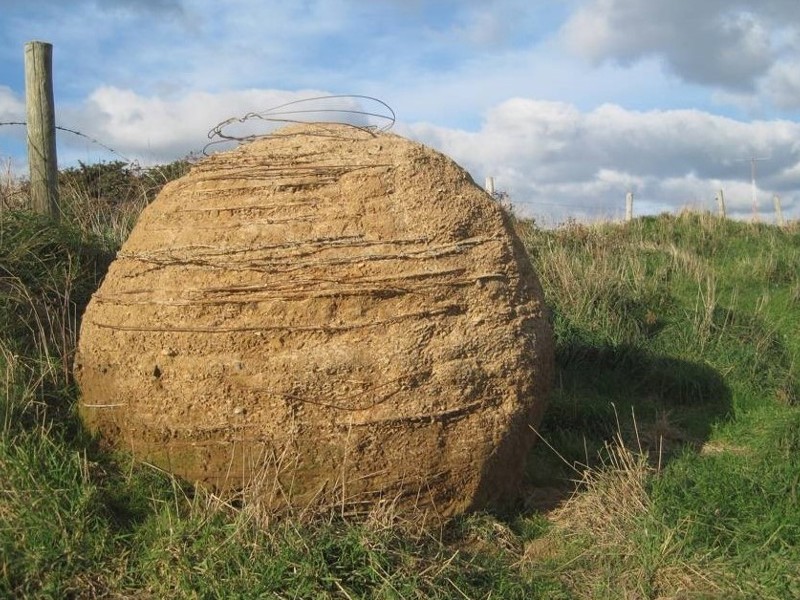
x: 680, y: 334
x: 670, y: 466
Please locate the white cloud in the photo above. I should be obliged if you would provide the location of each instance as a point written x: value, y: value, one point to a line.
x: 783, y: 84
x: 730, y: 44
x: 152, y: 128
x: 557, y: 161
x: 12, y: 107
x: 12, y: 137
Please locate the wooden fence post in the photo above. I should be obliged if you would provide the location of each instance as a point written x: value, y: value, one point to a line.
x: 490, y: 186
x: 628, y: 206
x: 42, y: 160
x: 778, y: 211
x: 721, y: 204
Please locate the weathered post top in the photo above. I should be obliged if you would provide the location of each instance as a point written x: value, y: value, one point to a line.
x: 41, y: 127
x: 628, y: 206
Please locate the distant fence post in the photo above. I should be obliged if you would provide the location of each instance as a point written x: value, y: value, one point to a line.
x: 721, y: 204
x: 778, y: 210
x: 490, y: 185
x: 628, y: 206
x: 41, y: 127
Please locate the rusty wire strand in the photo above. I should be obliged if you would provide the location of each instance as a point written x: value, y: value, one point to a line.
x: 78, y: 133
x: 277, y: 114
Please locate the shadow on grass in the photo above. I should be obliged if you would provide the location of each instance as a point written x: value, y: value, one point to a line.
x: 659, y: 404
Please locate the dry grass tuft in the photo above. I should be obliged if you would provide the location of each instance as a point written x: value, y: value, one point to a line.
x: 610, y: 499
x: 13, y: 194
x: 610, y: 544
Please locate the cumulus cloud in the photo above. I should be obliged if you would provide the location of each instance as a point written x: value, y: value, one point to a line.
x: 726, y: 43
x: 557, y: 161
x: 554, y: 159
x: 783, y: 84
x: 12, y: 137
x: 12, y: 107
x: 153, y: 129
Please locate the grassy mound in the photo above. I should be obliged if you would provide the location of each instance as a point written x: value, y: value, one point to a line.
x: 678, y: 351
x: 668, y: 465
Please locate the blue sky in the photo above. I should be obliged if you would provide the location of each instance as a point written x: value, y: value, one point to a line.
x: 567, y: 103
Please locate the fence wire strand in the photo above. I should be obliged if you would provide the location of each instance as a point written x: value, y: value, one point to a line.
x: 78, y: 133
x: 284, y: 114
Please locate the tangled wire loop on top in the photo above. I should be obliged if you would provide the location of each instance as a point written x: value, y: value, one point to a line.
x: 298, y: 111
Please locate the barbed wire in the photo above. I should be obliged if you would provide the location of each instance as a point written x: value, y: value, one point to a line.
x: 279, y: 114
x: 274, y: 115
x: 78, y: 133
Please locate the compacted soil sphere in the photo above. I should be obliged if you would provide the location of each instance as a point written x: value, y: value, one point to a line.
x: 327, y: 316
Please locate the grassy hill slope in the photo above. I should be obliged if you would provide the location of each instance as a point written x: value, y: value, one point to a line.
x: 669, y: 465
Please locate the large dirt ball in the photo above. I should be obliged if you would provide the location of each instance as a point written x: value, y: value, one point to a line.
x: 329, y: 316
